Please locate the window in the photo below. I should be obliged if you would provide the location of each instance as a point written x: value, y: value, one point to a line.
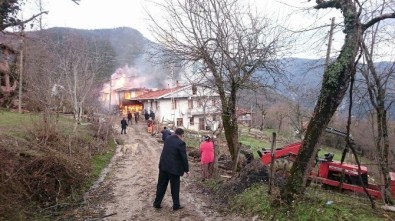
x: 121, y: 95
x: 200, y: 103
x: 191, y: 121
x: 201, y: 124
x: 174, y: 104
x: 214, y: 102
x: 179, y: 122
x: 190, y: 104
x: 127, y: 95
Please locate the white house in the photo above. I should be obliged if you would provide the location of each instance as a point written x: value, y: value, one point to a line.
x: 190, y: 106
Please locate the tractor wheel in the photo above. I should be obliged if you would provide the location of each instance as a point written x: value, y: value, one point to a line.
x: 281, y: 168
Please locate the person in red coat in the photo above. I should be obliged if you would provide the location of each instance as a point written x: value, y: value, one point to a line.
x: 207, y: 157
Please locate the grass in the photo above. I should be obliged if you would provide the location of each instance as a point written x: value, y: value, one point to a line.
x: 253, y: 142
x: 317, y: 204
x: 11, y: 123
x: 100, y: 161
x: 192, y: 141
x: 338, y: 154
x: 23, y: 127
x: 15, y: 124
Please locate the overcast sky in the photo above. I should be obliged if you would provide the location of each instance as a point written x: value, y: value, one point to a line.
x: 93, y: 14
x: 97, y: 14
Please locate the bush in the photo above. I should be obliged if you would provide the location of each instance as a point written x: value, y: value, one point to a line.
x: 47, y: 166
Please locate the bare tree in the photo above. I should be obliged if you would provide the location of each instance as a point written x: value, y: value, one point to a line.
x: 42, y: 85
x: 9, y: 10
x: 379, y: 82
x: 278, y: 116
x: 227, y: 42
x: 302, y: 97
x: 79, y: 60
x: 377, y: 89
x: 334, y: 86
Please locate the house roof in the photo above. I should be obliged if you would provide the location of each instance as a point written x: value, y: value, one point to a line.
x: 158, y: 93
x: 130, y: 88
x: 242, y: 111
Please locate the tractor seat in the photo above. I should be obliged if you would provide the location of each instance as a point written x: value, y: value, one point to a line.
x: 329, y: 157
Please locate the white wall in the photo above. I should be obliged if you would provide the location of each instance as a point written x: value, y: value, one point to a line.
x: 164, y: 112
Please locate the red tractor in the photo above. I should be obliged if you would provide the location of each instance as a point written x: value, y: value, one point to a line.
x: 330, y: 173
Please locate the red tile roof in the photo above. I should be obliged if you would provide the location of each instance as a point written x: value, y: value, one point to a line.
x: 242, y: 111
x: 130, y: 89
x: 157, y: 94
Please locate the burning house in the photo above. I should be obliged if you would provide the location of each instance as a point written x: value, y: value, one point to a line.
x: 189, y: 106
x: 123, y: 86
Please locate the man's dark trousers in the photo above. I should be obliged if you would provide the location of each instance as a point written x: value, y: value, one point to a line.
x: 163, y: 180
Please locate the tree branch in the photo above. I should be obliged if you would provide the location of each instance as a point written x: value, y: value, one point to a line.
x: 76, y: 2
x: 377, y: 19
x: 327, y: 4
x: 19, y: 23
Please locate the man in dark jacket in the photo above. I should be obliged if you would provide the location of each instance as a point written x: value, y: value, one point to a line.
x: 136, y: 117
x: 165, y: 133
x: 173, y: 164
x: 130, y: 116
x: 124, y: 124
x: 152, y: 115
x: 146, y: 115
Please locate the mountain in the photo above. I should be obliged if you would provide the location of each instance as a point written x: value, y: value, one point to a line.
x: 126, y: 49
x: 304, y: 78
x: 127, y: 43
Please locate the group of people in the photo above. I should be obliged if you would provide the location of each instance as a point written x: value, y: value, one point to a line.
x: 149, y: 115
x: 173, y: 164
x: 130, y: 117
x: 125, y: 124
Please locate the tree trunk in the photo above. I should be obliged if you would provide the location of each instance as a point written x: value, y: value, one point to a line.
x: 229, y: 119
x: 334, y: 86
x: 377, y: 99
x: 382, y: 147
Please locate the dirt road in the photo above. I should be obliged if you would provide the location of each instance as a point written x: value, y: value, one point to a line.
x: 131, y: 185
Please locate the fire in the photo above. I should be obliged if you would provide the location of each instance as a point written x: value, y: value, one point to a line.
x: 124, y: 85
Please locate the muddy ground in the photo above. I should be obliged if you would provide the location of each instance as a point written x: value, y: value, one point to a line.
x: 128, y: 190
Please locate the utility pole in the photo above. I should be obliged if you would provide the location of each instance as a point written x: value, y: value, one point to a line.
x: 21, y: 69
x: 40, y: 19
x: 251, y: 117
x: 173, y: 102
x: 328, y: 52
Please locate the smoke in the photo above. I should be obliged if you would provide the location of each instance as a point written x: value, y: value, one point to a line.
x: 148, y: 72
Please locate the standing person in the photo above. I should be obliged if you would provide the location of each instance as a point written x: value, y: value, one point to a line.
x: 207, y: 157
x: 124, y: 124
x: 136, y: 116
x: 146, y: 115
x: 165, y: 133
x: 152, y: 115
x: 130, y: 116
x: 173, y: 164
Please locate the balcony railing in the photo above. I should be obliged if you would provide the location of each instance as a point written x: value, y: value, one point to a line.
x: 200, y: 111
